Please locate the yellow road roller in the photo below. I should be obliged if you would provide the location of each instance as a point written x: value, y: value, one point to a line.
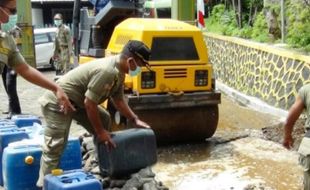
x: 178, y: 97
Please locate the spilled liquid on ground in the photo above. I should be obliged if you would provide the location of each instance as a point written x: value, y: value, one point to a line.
x: 242, y: 164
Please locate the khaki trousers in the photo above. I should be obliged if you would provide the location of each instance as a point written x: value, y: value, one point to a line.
x: 56, y: 134
x: 63, y: 64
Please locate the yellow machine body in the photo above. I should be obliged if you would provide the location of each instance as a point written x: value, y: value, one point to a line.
x: 178, y: 98
x: 180, y: 73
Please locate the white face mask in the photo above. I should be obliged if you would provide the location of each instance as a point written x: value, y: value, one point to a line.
x: 7, y: 27
x: 136, y: 71
x: 57, y: 22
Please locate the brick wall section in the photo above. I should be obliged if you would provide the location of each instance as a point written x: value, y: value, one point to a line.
x: 269, y: 73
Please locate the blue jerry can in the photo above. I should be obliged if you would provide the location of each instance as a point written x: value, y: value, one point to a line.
x: 7, y: 136
x: 21, y: 166
x: 5, y: 122
x: 14, y: 160
x: 25, y: 120
x: 72, y: 156
x: 72, y: 180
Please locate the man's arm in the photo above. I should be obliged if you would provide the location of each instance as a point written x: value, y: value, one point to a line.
x: 93, y: 116
x: 126, y: 111
x: 36, y: 77
x: 292, y: 117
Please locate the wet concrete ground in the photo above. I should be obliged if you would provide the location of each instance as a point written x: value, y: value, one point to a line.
x: 237, y: 157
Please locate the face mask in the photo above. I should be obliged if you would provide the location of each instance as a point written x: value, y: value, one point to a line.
x: 6, y: 27
x: 57, y: 22
x: 135, y: 72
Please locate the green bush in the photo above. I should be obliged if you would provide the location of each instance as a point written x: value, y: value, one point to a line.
x: 245, y: 32
x: 223, y: 21
x: 298, y: 30
x: 260, y: 29
x: 217, y: 12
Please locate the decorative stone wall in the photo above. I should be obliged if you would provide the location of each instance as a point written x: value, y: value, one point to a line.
x: 269, y: 73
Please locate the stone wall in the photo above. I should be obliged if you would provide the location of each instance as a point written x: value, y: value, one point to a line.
x: 269, y: 73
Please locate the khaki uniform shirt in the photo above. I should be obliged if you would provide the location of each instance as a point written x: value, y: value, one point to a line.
x: 96, y: 80
x: 62, y: 39
x: 304, y: 93
x: 9, y: 53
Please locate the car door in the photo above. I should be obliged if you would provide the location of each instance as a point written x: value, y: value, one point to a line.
x: 44, y: 48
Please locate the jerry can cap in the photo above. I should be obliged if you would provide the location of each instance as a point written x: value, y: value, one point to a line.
x: 57, y: 172
x: 29, y: 160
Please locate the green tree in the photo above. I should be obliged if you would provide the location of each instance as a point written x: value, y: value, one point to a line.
x: 298, y: 29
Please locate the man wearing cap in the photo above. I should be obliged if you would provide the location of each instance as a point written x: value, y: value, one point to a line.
x: 88, y: 86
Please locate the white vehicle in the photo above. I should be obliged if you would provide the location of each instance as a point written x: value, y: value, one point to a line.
x: 44, y: 47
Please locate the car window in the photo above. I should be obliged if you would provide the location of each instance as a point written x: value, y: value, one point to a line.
x: 41, y: 38
x: 173, y: 48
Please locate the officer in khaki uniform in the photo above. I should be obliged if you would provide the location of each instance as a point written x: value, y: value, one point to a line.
x: 302, y: 103
x: 10, y: 55
x: 9, y: 50
x: 62, y: 45
x: 9, y: 78
x: 87, y: 86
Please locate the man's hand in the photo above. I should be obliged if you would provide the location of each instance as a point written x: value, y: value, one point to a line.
x: 293, y: 114
x: 36, y: 77
x: 105, y: 138
x: 140, y: 124
x: 288, y: 142
x: 63, y: 100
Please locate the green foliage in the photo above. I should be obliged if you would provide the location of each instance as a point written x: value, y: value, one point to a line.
x: 298, y: 32
x: 275, y: 8
x: 212, y: 26
x: 244, y: 32
x: 260, y: 29
x: 217, y: 13
x: 223, y: 21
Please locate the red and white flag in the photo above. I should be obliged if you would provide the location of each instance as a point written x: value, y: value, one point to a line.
x: 200, y: 13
